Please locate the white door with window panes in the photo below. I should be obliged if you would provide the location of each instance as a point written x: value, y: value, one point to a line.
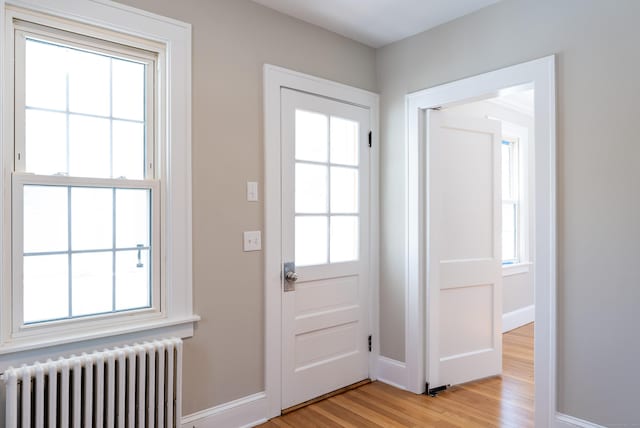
x: 85, y: 194
x: 325, y: 194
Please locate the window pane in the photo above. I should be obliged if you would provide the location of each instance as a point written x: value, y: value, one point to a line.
x: 45, y: 142
x: 344, y: 141
x: 311, y: 240
x: 91, y: 218
x: 344, y: 238
x: 128, y: 89
x: 89, y: 152
x: 344, y: 190
x: 509, y: 221
x: 46, y: 75
x: 46, y: 288
x: 45, y: 219
x: 507, y: 171
x: 128, y: 150
x: 132, y: 280
x: 89, y: 82
x: 132, y: 217
x: 311, y: 136
x: 92, y: 283
x: 311, y: 188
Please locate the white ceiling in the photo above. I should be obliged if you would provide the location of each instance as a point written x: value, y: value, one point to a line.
x: 521, y: 101
x: 376, y: 22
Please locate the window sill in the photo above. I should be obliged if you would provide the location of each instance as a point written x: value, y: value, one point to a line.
x: 516, y: 269
x: 41, y: 348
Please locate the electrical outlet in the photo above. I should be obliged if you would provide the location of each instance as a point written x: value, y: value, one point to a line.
x: 252, y: 241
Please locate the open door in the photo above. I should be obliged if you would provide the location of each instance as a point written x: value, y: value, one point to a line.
x: 464, y: 275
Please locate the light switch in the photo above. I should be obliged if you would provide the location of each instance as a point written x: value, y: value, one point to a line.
x: 252, y: 191
x: 252, y: 240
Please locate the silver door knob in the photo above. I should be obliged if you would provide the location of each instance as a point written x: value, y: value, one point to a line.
x: 291, y: 276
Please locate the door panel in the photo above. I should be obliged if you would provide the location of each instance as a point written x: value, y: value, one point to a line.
x: 325, y: 176
x: 464, y: 293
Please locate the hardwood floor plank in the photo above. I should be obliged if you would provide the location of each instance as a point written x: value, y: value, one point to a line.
x: 505, y: 401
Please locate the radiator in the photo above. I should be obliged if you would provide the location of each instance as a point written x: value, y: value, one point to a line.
x: 132, y: 386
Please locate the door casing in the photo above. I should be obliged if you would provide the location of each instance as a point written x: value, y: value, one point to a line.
x: 276, y: 78
x: 540, y: 75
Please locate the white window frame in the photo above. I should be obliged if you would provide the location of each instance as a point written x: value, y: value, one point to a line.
x: 516, y: 183
x: 171, y: 180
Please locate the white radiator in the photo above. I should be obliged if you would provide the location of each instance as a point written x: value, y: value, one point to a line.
x: 132, y: 386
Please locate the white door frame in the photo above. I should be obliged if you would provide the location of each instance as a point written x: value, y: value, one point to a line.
x: 276, y: 78
x: 539, y: 74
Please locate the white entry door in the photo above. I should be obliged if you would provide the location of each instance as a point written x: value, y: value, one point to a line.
x: 464, y: 274
x: 325, y: 227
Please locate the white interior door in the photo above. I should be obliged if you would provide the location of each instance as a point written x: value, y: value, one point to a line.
x: 325, y: 194
x: 464, y: 290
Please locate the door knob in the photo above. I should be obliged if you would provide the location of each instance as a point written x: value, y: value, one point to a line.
x: 291, y: 276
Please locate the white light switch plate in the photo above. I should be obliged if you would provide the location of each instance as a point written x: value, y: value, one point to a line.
x: 252, y: 191
x: 252, y: 240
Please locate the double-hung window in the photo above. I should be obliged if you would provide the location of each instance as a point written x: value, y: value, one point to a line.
x: 95, y: 182
x: 510, y: 202
x: 86, y: 195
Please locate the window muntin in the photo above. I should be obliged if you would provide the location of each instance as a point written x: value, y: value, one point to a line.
x: 86, y: 201
x: 510, y: 202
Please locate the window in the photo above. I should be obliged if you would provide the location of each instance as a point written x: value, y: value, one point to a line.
x: 98, y: 232
x: 84, y: 179
x: 510, y: 202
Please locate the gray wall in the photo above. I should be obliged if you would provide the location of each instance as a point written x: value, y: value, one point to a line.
x: 232, y: 39
x: 598, y: 80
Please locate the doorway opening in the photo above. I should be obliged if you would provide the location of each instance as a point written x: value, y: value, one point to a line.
x: 529, y: 240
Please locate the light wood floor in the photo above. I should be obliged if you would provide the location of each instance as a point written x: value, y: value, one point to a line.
x: 493, y: 402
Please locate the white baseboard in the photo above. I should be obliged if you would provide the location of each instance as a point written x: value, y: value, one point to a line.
x: 242, y: 413
x: 566, y: 421
x: 518, y: 318
x: 392, y: 372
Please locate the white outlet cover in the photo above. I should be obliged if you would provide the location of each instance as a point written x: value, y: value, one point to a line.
x: 252, y: 191
x: 252, y: 240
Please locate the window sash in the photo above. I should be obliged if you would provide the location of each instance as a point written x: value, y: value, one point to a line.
x: 24, y: 30
x: 514, y: 199
x: 19, y: 180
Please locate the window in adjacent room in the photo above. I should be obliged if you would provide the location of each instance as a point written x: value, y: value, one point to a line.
x: 511, y: 206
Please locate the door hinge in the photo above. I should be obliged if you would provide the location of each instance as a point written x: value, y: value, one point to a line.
x: 369, y: 138
x: 369, y: 343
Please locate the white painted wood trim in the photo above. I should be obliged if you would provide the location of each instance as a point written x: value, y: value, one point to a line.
x: 392, y: 372
x: 276, y: 78
x: 517, y: 269
x: 566, y: 421
x: 244, y: 412
x: 541, y: 75
x: 518, y: 318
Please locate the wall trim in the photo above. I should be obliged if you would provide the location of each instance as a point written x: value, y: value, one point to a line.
x: 247, y: 411
x: 540, y: 74
x: 276, y: 78
x: 566, y: 421
x: 518, y: 318
x: 392, y: 372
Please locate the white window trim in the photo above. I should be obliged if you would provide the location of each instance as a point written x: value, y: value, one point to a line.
x: 174, y: 142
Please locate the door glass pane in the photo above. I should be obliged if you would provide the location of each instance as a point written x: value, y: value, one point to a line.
x: 311, y: 240
x: 89, y: 151
x: 45, y: 142
x: 344, y: 190
x: 92, y: 283
x: 311, y: 188
x: 311, y: 136
x: 46, y: 74
x: 128, y: 150
x: 344, y: 141
x: 45, y: 219
x: 46, y: 288
x: 344, y: 238
x: 92, y: 218
x: 132, y: 280
x: 89, y: 82
x: 133, y: 216
x: 128, y: 89
x: 509, y: 219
